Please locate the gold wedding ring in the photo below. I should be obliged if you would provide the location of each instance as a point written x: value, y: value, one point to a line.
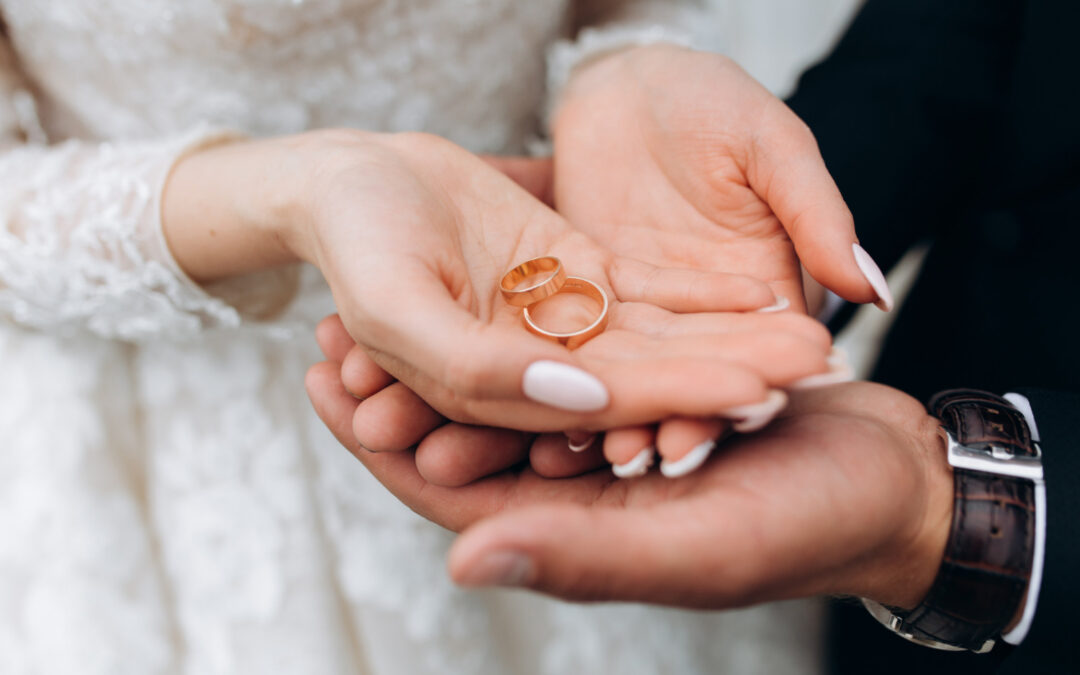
x: 551, y: 275
x: 577, y: 338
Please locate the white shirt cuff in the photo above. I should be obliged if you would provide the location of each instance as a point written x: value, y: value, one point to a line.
x: 1017, y: 634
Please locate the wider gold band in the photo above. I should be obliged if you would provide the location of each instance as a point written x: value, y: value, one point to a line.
x: 577, y: 338
x: 552, y: 279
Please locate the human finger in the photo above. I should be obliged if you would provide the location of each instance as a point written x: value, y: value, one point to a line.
x: 646, y: 319
x: 785, y: 167
x: 551, y: 457
x: 683, y: 290
x: 360, y: 374
x: 631, y: 450
x: 686, y: 443
x: 442, y: 348
x: 334, y: 341
x: 394, y: 419
x: 649, y: 389
x: 586, y: 553
x: 453, y: 508
x: 458, y: 454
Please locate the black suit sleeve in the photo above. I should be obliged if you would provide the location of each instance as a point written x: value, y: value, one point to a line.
x: 1049, y: 646
x: 902, y: 110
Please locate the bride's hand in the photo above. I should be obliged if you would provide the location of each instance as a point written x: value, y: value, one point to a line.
x: 679, y: 158
x: 413, y: 235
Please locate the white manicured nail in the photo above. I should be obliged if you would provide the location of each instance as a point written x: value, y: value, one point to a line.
x: 755, y: 416
x: 780, y: 305
x: 873, y: 274
x: 638, y: 466
x: 581, y: 446
x: 563, y: 386
x: 837, y: 374
x: 837, y: 357
x: 689, y: 463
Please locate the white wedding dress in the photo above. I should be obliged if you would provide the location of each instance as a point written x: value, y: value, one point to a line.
x: 168, y: 501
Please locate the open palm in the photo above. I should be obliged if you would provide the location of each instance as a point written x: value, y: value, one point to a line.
x: 678, y: 157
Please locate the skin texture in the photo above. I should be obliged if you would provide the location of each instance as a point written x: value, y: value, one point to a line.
x: 806, y: 507
x: 413, y: 235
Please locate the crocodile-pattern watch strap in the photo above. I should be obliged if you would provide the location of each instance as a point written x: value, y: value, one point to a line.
x: 988, y: 557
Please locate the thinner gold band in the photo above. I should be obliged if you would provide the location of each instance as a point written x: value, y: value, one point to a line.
x: 547, y: 286
x: 575, y: 339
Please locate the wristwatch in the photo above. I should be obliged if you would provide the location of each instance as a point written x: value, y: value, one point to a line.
x: 988, y: 559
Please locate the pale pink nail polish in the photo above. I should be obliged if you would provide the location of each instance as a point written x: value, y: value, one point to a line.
x: 563, y: 386
x: 780, y: 305
x: 638, y: 466
x: 582, y: 445
x: 873, y: 274
x: 837, y: 374
x: 693, y: 459
x: 757, y: 415
x: 837, y: 357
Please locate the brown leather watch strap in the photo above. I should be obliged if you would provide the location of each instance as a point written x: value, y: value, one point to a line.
x: 988, y: 558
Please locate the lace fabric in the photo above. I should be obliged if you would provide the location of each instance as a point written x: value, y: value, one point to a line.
x: 168, y: 501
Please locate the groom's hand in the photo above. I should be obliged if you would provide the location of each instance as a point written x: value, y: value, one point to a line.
x: 848, y: 492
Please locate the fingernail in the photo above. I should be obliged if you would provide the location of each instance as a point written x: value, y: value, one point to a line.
x: 500, y: 568
x: 873, y: 274
x: 838, y: 373
x: 757, y: 415
x: 838, y: 356
x: 689, y: 463
x: 582, y: 445
x: 780, y: 305
x: 563, y: 386
x: 638, y: 466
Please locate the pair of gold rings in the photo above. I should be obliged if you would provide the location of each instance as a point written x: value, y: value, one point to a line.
x: 551, y: 279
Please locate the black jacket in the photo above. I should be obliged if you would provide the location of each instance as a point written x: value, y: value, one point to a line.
x: 958, y: 122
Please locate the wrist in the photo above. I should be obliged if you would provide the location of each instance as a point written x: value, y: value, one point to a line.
x: 611, y: 73
x: 993, y: 547
x: 902, y: 575
x: 231, y: 209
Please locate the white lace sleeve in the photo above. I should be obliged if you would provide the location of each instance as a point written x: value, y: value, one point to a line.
x: 607, y: 25
x: 81, y: 246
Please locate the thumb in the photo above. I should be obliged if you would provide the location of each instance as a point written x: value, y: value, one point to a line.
x: 427, y: 338
x: 535, y: 174
x: 589, y: 553
x: 786, y: 168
